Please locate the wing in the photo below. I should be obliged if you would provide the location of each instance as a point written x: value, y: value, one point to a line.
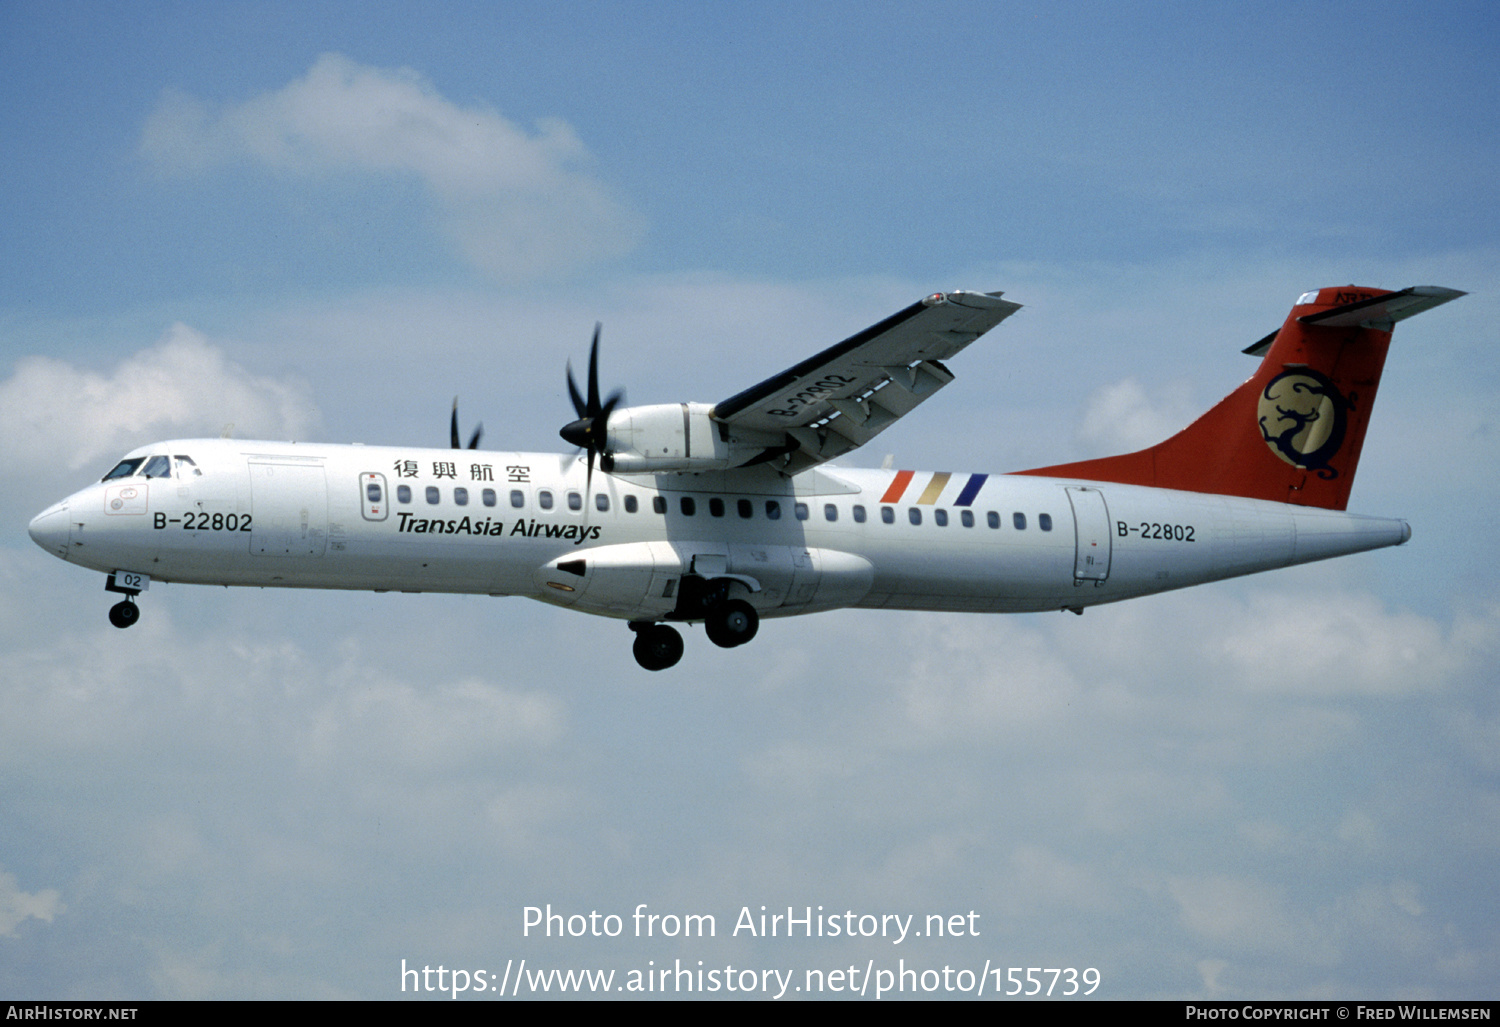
x: 846, y: 395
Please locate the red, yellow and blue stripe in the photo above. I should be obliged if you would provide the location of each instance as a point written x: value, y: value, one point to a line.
x: 935, y: 486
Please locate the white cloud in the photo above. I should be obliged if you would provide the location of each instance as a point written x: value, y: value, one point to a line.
x: 1122, y: 417
x: 514, y: 203
x: 54, y: 414
x: 1333, y: 643
x: 431, y: 730
x: 17, y: 906
x: 996, y: 677
x: 1246, y: 915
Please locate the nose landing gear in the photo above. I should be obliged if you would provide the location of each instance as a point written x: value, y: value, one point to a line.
x: 125, y: 613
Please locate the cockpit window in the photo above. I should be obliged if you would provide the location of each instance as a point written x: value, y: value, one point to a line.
x: 157, y: 467
x: 186, y: 468
x: 124, y: 469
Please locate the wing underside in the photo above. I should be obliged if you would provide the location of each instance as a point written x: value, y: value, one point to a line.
x: 843, y: 397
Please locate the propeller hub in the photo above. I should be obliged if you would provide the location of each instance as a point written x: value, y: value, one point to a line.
x: 579, y: 433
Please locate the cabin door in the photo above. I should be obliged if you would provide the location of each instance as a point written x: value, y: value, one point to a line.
x: 1091, y: 526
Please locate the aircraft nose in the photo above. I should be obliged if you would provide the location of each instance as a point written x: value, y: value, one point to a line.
x: 49, y: 529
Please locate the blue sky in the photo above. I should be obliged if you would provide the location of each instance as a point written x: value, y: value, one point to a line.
x: 321, y: 221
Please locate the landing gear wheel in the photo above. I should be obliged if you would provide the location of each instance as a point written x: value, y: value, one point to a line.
x: 124, y: 613
x: 657, y: 646
x: 731, y: 624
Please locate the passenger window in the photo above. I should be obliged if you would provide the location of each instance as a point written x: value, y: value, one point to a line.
x: 888, y: 514
x: 800, y: 509
x: 432, y: 495
x: 830, y: 512
x: 992, y: 519
x: 940, y: 518
x: 859, y: 514
x: 773, y: 510
x: 659, y: 504
x: 632, y: 504
x: 966, y: 517
x: 544, y: 499
x: 1019, y: 520
x: 914, y: 515
x: 746, y: 508
x: 716, y: 506
x: 157, y: 467
x: 688, y: 506
x: 372, y: 492
x: 488, y: 495
x: 461, y: 496
x: 1044, y: 521
x: 601, y: 502
x: 517, y: 498
x: 575, y: 501
x: 403, y: 493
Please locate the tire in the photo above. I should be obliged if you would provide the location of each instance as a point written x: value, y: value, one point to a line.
x: 734, y: 623
x: 124, y: 613
x: 657, y: 647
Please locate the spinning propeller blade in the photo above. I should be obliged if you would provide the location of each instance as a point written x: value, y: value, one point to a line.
x: 453, y: 430
x: 590, y: 432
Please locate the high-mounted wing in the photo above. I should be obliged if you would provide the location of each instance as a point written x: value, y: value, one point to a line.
x: 838, y: 400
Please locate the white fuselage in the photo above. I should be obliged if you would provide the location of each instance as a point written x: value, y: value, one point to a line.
x: 424, y: 520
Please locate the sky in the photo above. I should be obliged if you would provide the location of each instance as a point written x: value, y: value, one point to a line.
x: 321, y: 221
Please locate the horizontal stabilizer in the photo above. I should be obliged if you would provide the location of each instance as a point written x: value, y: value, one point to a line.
x: 1381, y: 312
x: 1378, y: 312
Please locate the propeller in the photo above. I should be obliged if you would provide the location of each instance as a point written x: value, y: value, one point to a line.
x: 591, y: 431
x: 453, y: 430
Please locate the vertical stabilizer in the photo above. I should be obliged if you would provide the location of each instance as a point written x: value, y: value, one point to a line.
x: 1294, y: 431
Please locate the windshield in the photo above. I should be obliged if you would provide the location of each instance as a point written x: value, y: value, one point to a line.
x: 124, y: 469
x: 155, y: 466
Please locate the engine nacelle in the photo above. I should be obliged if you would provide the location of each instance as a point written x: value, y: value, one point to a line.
x: 645, y: 580
x: 680, y: 437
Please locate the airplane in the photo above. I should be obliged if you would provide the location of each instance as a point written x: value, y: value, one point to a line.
x: 728, y: 513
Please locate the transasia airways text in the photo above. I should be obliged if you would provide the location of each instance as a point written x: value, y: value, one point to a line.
x: 493, y: 526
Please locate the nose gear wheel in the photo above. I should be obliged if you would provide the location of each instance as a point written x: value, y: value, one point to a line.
x: 124, y: 613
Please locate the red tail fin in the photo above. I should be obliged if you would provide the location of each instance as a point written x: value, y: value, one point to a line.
x: 1294, y: 431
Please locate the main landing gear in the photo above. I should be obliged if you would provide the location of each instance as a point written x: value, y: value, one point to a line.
x: 657, y: 646
x: 731, y: 623
x: 728, y: 624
